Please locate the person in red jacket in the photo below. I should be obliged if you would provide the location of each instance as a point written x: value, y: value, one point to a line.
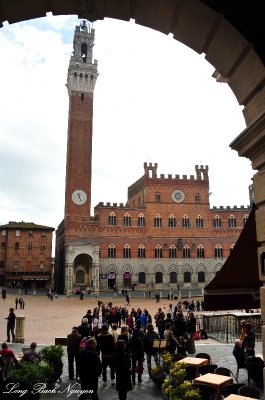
x: 6, y: 352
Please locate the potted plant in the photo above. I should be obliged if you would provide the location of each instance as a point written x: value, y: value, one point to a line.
x: 176, y: 387
x: 52, y: 355
x: 27, y: 377
x: 158, y: 375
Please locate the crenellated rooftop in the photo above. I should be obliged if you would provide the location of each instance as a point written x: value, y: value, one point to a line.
x: 231, y: 208
x: 150, y: 171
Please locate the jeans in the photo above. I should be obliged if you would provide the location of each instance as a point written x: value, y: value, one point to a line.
x: 107, y: 362
x: 149, y: 360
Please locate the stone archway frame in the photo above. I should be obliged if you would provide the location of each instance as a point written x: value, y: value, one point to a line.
x: 205, y: 31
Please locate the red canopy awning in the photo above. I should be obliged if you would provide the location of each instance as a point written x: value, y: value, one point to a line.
x: 237, y: 284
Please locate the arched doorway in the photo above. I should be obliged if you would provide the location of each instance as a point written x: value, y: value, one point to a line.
x: 82, y: 272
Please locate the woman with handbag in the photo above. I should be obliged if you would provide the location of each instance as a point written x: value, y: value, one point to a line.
x: 170, y: 338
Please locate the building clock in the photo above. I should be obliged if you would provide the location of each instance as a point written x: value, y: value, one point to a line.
x: 79, y: 197
x: 178, y: 196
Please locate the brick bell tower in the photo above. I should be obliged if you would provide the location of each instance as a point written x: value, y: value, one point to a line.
x: 81, y: 80
x: 79, y: 259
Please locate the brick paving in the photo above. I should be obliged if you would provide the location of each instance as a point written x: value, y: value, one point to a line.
x: 46, y: 319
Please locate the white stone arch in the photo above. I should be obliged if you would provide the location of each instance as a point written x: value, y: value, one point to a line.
x: 126, y: 268
x: 159, y: 268
x: 112, y: 268
x: 186, y: 267
x: 173, y: 268
x: 141, y: 268
x: 217, y: 267
x: 201, y: 267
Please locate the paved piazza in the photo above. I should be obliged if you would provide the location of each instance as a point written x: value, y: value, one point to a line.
x: 46, y: 319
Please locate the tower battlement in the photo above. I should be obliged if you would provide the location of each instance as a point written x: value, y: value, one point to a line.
x: 231, y: 208
x: 150, y: 171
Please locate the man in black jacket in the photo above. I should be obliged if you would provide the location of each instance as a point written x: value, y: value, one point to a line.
x: 11, y: 320
x: 106, y: 346
x: 90, y: 369
x: 84, y: 329
x: 73, y: 342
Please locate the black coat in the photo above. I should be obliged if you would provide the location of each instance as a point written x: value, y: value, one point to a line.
x: 122, y: 363
x: 90, y: 367
x: 84, y: 330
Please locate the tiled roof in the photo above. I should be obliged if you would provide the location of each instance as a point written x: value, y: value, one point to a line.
x: 25, y: 225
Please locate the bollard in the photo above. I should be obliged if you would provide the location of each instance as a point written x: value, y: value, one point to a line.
x: 20, y: 325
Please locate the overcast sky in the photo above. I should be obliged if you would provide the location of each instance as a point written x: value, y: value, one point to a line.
x: 154, y: 101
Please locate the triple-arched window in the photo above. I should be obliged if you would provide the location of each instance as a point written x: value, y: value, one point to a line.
x: 218, y: 251
x: 186, y: 251
x: 141, y: 251
x: 127, y: 220
x: 158, y: 221
x: 112, y: 219
x: 112, y: 251
x: 171, y: 221
x: 126, y: 251
x: 231, y: 221
x: 158, y: 252
x: 200, y: 251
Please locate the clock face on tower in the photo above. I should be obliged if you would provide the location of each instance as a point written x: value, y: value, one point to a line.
x: 79, y: 197
x: 178, y: 196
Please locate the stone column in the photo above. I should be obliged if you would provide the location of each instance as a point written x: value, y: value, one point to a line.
x: 95, y: 276
x: 20, y: 325
x: 68, y: 279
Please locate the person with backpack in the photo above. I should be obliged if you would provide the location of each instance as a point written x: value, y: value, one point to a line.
x: 148, y: 343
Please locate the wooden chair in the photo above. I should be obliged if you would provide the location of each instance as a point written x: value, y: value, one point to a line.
x: 177, y: 357
x: 204, y: 355
x: 208, y: 368
x: 240, y: 365
x: 192, y: 372
x: 250, y: 391
x: 225, y: 371
x: 231, y: 389
x: 207, y: 392
x: 255, y: 373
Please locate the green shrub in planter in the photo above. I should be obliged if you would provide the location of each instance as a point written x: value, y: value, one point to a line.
x: 30, y: 373
x: 52, y: 354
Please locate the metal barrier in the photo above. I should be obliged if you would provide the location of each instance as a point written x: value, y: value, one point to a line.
x: 227, y: 327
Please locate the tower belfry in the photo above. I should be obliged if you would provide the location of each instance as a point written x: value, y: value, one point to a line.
x: 81, y: 80
x: 82, y: 71
x: 79, y: 253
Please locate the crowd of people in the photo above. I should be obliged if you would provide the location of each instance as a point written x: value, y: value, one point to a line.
x: 116, y: 341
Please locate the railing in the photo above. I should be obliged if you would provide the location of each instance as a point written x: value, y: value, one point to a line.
x: 227, y: 327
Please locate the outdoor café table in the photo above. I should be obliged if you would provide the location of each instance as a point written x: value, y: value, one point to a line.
x: 238, y: 397
x: 197, y: 362
x: 215, y: 380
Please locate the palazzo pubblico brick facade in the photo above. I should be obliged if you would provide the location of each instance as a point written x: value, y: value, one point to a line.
x: 165, y: 236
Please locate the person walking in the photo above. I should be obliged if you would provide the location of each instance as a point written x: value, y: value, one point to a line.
x: 149, y: 349
x: 11, y: 321
x: 122, y: 364
x: 106, y: 345
x: 90, y: 369
x: 73, y: 343
x: 16, y: 302
x: 136, y: 349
